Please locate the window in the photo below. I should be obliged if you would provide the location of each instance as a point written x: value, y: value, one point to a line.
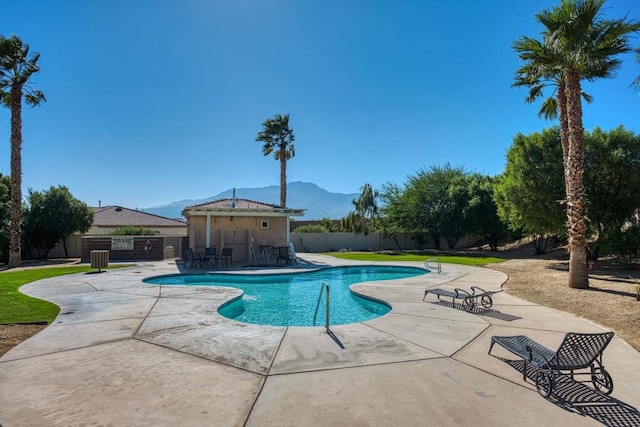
x: 265, y: 224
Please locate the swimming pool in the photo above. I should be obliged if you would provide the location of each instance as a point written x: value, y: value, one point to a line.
x: 290, y: 299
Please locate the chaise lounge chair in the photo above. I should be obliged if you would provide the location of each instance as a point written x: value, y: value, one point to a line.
x: 469, y: 300
x: 577, y: 351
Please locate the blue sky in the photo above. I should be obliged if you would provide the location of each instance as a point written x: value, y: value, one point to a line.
x: 153, y: 101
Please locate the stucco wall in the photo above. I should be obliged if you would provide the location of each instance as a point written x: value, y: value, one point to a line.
x: 331, y: 242
x: 162, y: 248
x: 74, y: 243
x: 237, y: 232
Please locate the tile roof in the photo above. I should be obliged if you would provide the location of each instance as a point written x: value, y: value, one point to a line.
x: 117, y: 216
x: 241, y: 207
x: 239, y: 204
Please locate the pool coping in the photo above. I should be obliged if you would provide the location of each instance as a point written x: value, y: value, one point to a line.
x: 361, y: 294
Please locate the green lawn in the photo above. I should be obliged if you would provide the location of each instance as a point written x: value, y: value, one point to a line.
x: 16, y: 307
x: 402, y: 256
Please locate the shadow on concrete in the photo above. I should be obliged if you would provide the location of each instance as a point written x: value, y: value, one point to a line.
x: 480, y: 311
x: 187, y: 268
x: 576, y: 396
x: 335, y: 339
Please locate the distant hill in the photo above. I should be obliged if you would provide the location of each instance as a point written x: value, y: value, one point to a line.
x: 318, y: 202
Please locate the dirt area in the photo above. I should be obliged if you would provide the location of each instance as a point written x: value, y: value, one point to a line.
x: 12, y: 335
x: 610, y: 301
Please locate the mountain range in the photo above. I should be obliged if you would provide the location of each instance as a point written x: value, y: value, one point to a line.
x: 318, y: 202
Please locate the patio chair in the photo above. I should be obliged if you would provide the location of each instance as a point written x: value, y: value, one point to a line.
x: 577, y: 351
x: 210, y: 257
x: 284, y: 255
x: 225, y: 256
x: 188, y: 258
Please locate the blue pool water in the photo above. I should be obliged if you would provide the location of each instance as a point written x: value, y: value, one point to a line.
x: 290, y: 299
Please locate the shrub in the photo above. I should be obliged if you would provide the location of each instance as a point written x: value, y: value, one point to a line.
x: 312, y: 228
x: 623, y: 242
x: 130, y: 230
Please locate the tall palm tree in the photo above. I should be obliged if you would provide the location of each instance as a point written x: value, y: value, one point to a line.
x: 278, y: 138
x: 579, y: 44
x: 17, y: 66
x: 541, y: 70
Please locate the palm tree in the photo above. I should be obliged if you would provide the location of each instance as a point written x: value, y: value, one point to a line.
x: 578, y: 44
x: 278, y: 139
x: 538, y: 72
x: 366, y: 205
x: 16, y: 68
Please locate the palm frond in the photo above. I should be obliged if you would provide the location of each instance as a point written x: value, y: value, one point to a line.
x: 535, y: 92
x: 549, y: 108
x: 34, y: 98
x: 277, y: 137
x: 17, y: 66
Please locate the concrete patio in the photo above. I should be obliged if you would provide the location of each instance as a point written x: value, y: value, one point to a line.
x: 125, y: 353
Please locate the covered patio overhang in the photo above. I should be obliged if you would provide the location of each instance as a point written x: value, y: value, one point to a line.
x: 237, y: 223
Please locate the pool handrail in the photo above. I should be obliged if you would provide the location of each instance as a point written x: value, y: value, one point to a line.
x: 324, y: 287
x: 253, y: 257
x: 265, y: 254
x: 428, y: 260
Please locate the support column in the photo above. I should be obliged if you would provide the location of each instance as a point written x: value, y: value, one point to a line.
x: 207, y: 243
x: 287, y: 227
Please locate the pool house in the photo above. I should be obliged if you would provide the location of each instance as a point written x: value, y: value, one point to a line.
x: 245, y: 226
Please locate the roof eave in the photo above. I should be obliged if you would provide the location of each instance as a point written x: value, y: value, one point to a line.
x: 243, y: 212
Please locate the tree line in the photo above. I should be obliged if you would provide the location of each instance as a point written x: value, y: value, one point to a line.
x: 48, y: 219
x: 527, y: 199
